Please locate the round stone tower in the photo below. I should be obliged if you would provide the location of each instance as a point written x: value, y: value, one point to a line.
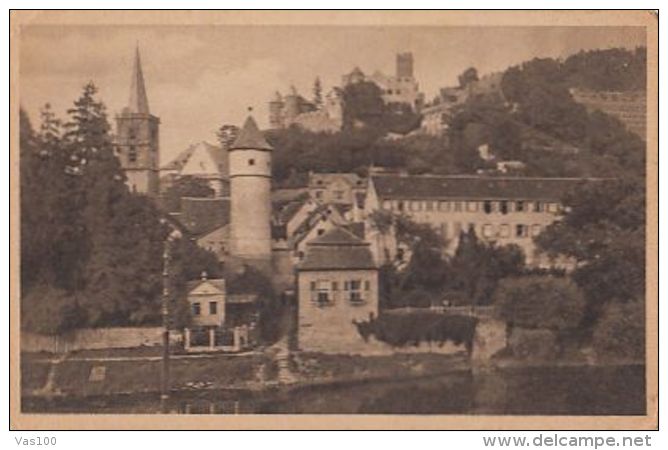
x: 250, y: 187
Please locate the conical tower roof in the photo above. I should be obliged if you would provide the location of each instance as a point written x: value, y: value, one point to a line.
x: 138, y: 102
x: 250, y: 137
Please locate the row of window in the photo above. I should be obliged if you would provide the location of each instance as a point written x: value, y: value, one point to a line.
x: 325, y: 292
x: 197, y: 308
x: 492, y: 231
x: 348, y: 285
x: 487, y: 206
x: 338, y: 195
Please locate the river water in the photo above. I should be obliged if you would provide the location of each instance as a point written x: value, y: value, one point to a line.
x: 614, y: 390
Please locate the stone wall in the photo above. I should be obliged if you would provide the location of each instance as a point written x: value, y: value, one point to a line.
x: 92, y: 338
x: 629, y: 107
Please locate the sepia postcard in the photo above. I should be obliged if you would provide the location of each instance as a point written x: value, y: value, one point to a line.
x: 334, y: 220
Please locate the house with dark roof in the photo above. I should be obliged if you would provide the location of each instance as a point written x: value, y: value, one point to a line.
x: 207, y: 222
x: 337, y: 283
x: 504, y: 210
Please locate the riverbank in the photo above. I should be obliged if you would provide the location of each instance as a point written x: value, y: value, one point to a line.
x: 112, y: 373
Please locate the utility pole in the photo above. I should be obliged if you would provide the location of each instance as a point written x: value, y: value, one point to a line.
x: 164, y: 374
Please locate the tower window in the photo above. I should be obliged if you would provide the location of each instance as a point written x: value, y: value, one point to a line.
x: 132, y: 154
x: 251, y: 162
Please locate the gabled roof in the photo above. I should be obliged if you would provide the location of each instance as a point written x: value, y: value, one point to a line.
x: 218, y: 283
x: 250, y: 137
x: 216, y: 153
x: 138, y: 102
x: 321, y: 212
x: 472, y: 187
x: 337, y: 249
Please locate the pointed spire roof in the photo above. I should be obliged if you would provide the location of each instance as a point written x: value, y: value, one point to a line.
x: 138, y: 102
x: 250, y: 137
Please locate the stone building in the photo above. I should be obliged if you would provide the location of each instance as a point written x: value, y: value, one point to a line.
x: 629, y: 107
x: 504, y: 210
x: 400, y: 88
x: 341, y: 188
x: 137, y: 141
x: 337, y: 283
x: 293, y: 109
x: 437, y: 114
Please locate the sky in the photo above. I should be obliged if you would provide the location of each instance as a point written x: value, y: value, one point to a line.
x: 200, y: 77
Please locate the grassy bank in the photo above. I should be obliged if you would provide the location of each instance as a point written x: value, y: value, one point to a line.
x: 73, y: 375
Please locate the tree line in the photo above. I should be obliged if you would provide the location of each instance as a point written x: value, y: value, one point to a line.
x: 91, y: 250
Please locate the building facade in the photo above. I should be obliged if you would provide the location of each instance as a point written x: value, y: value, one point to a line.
x: 340, y: 188
x: 337, y: 284
x: 137, y: 141
x: 500, y: 210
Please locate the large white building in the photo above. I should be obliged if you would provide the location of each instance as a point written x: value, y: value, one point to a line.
x: 501, y: 210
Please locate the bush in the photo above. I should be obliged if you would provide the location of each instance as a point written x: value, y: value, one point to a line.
x: 49, y: 310
x: 620, y: 333
x: 540, y: 302
x: 401, y: 330
x: 528, y: 343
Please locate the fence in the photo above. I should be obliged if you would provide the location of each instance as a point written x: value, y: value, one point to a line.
x: 219, y: 338
x: 468, y: 310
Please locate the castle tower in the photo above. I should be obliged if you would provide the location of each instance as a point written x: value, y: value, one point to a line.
x: 276, y: 111
x: 250, y: 187
x: 405, y: 65
x: 137, y: 139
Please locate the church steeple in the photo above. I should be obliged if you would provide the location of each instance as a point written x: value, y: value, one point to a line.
x: 137, y: 138
x: 138, y: 102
